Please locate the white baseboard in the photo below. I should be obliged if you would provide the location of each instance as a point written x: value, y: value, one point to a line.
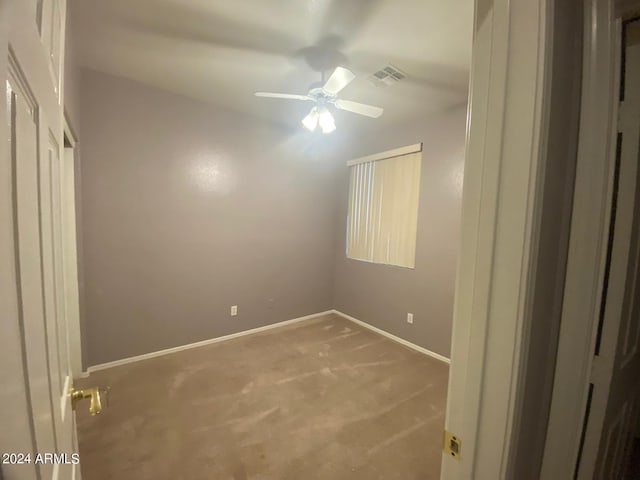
x: 402, y: 341
x: 168, y: 351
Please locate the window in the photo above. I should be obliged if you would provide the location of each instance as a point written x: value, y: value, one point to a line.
x: 382, y: 219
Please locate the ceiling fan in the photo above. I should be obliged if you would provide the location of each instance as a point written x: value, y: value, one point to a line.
x: 325, y: 95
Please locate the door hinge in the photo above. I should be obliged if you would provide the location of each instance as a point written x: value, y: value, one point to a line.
x: 452, y: 444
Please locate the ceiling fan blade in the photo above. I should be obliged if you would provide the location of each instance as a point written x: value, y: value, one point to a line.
x: 282, y: 95
x: 359, y: 108
x: 340, y: 78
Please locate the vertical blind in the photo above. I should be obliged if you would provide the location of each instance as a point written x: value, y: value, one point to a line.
x: 382, y: 219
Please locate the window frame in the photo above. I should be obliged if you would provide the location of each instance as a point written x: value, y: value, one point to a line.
x: 381, y: 156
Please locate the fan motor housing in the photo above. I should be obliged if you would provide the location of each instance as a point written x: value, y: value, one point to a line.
x: 319, y: 95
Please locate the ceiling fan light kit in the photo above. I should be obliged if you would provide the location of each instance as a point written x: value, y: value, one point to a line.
x: 327, y: 123
x: 328, y: 95
x: 310, y: 122
x: 319, y: 116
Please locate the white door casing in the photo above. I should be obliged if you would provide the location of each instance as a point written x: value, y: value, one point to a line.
x: 587, y: 245
x: 72, y: 301
x: 595, y: 394
x: 500, y: 219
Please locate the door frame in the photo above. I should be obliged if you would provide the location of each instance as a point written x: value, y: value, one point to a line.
x: 71, y: 250
x: 587, y: 258
x: 588, y: 239
x: 506, y: 154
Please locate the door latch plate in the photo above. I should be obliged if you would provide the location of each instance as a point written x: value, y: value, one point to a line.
x: 452, y: 445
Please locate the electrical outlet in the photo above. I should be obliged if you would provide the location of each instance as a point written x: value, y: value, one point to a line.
x: 409, y: 317
x: 234, y: 310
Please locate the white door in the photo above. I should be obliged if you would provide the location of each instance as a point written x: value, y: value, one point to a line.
x: 614, y: 400
x: 33, y: 39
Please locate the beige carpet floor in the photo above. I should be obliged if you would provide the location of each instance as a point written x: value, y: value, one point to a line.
x: 320, y: 399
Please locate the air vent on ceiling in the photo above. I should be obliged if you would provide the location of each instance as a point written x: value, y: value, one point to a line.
x: 387, y: 76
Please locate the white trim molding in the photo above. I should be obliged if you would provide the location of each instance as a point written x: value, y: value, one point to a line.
x: 588, y: 242
x: 390, y: 336
x: 168, y: 351
x: 500, y: 230
x: 396, y: 152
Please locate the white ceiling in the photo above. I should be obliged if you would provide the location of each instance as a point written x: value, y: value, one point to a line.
x: 223, y: 51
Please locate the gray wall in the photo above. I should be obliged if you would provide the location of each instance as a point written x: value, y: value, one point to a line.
x: 187, y: 210
x: 383, y: 295
x: 71, y: 76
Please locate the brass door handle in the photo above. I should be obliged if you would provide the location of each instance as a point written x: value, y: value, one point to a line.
x: 94, y: 393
